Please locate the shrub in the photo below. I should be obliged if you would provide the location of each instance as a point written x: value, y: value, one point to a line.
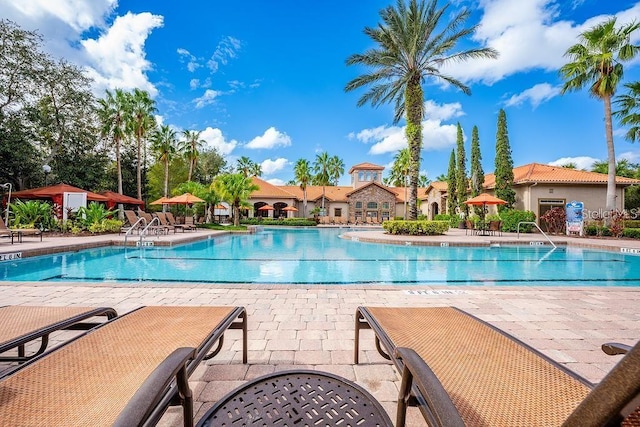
x: 633, y: 233
x: 291, y: 222
x: 442, y: 217
x: 617, y: 223
x: 556, y: 219
x: 511, y: 218
x: 591, y: 230
x: 416, y: 228
x: 31, y: 214
x: 631, y: 223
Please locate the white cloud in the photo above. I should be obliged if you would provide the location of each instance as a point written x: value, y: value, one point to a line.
x: 191, y: 60
x: 528, y: 35
x: 276, y: 181
x: 79, y: 15
x: 535, y: 95
x: 581, y: 162
x: 226, y: 50
x: 209, y: 97
x: 435, y: 134
x: 215, y: 139
x: 271, y: 138
x: 269, y: 166
x: 631, y: 156
x: 117, y: 58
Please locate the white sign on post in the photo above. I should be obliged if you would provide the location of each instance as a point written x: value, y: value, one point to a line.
x: 73, y: 201
x: 575, y: 222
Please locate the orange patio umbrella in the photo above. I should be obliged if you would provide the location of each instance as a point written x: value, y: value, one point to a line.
x: 161, y: 201
x: 184, y: 199
x: 290, y: 209
x: 266, y: 208
x: 485, y: 199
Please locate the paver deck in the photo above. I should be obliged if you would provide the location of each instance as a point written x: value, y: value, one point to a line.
x: 313, y: 326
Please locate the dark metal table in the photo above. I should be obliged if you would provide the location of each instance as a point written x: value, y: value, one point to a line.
x: 297, y: 398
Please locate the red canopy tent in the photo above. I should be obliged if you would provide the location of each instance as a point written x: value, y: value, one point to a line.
x: 56, y: 192
x: 116, y: 198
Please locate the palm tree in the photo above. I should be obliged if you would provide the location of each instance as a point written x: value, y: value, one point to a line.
x: 336, y: 169
x: 164, y: 145
x: 322, y: 168
x: 142, y: 123
x: 235, y: 189
x: 248, y: 167
x: 629, y: 113
x: 190, y: 146
x: 596, y: 61
x: 112, y: 112
x: 411, y: 48
x: 302, y: 172
x: 399, y: 169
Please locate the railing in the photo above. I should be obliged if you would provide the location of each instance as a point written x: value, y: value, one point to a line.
x: 134, y: 226
x: 539, y: 229
x: 145, y: 230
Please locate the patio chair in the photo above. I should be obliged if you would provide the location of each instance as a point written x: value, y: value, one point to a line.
x: 495, y: 227
x: 125, y: 372
x: 132, y: 220
x: 20, y: 325
x: 18, y: 232
x: 164, y: 222
x: 189, y: 224
x: 172, y: 221
x: 478, y: 375
x: 469, y: 227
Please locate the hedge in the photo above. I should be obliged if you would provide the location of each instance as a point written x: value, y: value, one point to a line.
x: 631, y: 223
x: 511, y: 218
x: 291, y: 222
x: 416, y: 228
x: 633, y: 233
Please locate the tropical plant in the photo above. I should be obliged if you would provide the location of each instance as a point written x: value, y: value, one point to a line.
x: 235, y: 189
x: 248, y: 167
x: 623, y: 168
x: 411, y: 49
x: 504, y: 165
x: 190, y: 147
x: 31, y: 214
x: 629, y: 113
x: 555, y: 219
x: 141, y: 124
x: 462, y: 182
x: 112, y: 113
x: 94, y: 213
x: 400, y: 169
x: 302, y: 172
x: 164, y: 145
x: 452, y: 193
x: 336, y: 169
x: 596, y: 62
x: 322, y: 169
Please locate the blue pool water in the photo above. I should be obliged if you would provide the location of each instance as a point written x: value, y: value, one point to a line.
x: 319, y: 256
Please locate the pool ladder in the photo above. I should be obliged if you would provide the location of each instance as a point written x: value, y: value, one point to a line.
x: 539, y: 229
x: 141, y: 233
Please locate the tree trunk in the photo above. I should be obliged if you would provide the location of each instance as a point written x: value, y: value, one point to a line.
x: 414, y: 113
x: 611, y: 155
x: 119, y: 172
x: 166, y: 183
x: 139, y: 166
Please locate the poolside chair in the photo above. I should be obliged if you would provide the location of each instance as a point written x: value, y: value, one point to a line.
x: 164, y: 222
x: 469, y: 227
x: 172, y: 221
x: 125, y: 372
x: 20, y: 325
x: 189, y: 224
x: 132, y: 219
x: 495, y: 227
x: 18, y: 232
x: 478, y: 375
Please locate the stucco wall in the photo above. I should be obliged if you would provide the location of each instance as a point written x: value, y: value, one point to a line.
x: 372, y: 193
x: 594, y: 197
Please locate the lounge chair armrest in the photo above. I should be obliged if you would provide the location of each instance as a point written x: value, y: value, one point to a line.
x: 440, y: 410
x: 613, y: 348
x: 147, y: 398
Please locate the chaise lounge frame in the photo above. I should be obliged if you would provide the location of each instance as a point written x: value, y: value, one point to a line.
x: 124, y: 372
x: 478, y: 375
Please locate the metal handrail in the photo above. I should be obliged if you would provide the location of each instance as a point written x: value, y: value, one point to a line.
x: 539, y: 229
x: 145, y: 231
x: 133, y: 227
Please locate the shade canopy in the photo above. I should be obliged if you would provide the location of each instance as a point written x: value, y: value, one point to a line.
x: 184, y: 199
x: 116, y: 198
x: 485, y: 199
x: 266, y: 208
x: 161, y: 201
x: 290, y: 209
x: 55, y: 192
x: 221, y: 207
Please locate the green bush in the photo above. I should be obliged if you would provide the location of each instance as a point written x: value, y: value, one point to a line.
x: 442, y: 217
x: 591, y: 230
x: 416, y: 228
x: 633, y: 233
x: 31, y: 214
x: 511, y: 218
x: 631, y: 223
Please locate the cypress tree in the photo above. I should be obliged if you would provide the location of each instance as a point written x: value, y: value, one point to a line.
x: 504, y: 165
x: 462, y: 182
x: 477, y: 174
x: 452, y: 198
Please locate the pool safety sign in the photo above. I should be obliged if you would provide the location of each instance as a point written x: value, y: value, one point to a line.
x: 10, y: 256
x: 575, y: 219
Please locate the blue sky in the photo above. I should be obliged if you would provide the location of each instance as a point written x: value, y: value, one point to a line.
x: 265, y: 78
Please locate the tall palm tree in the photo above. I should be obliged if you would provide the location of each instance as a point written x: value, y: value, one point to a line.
x: 235, y: 189
x: 322, y: 168
x: 248, y: 167
x: 629, y: 113
x: 399, y: 169
x: 164, y: 145
x: 336, y: 169
x: 596, y: 62
x: 413, y: 44
x: 112, y: 112
x: 142, y: 123
x: 302, y: 173
x: 190, y: 147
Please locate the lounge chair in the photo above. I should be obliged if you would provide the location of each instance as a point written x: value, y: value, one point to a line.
x: 478, y: 375
x: 125, y: 372
x: 20, y: 325
x: 172, y: 221
x: 164, y: 222
x: 495, y: 227
x: 133, y: 223
x: 189, y: 224
x: 18, y: 232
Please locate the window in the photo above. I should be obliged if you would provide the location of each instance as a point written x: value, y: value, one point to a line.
x: 385, y: 205
x: 358, y: 205
x: 372, y: 205
x: 360, y: 176
x: 337, y: 212
x: 368, y: 176
x: 375, y: 176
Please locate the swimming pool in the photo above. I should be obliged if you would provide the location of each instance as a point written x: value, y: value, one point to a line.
x: 319, y: 256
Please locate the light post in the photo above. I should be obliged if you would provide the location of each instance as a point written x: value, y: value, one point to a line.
x: 47, y: 170
x: 9, y: 186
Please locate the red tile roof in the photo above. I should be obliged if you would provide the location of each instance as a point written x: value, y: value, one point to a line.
x: 269, y: 191
x: 536, y: 172
x: 365, y: 166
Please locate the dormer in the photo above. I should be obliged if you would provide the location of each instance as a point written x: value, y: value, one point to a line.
x: 365, y: 173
